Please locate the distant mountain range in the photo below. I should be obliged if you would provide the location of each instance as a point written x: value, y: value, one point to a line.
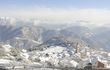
x: 25, y: 34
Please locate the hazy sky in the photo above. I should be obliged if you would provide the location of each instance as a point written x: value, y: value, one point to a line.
x: 29, y: 4
x: 12, y: 7
x: 91, y: 11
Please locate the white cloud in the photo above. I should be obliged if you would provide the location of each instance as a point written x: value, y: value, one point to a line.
x: 92, y: 17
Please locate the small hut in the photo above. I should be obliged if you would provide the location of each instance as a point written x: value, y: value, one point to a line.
x: 100, y: 64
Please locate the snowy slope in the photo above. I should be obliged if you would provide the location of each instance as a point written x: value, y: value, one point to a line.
x: 56, y: 56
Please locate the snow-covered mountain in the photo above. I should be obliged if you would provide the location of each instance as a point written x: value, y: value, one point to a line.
x: 53, y: 45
